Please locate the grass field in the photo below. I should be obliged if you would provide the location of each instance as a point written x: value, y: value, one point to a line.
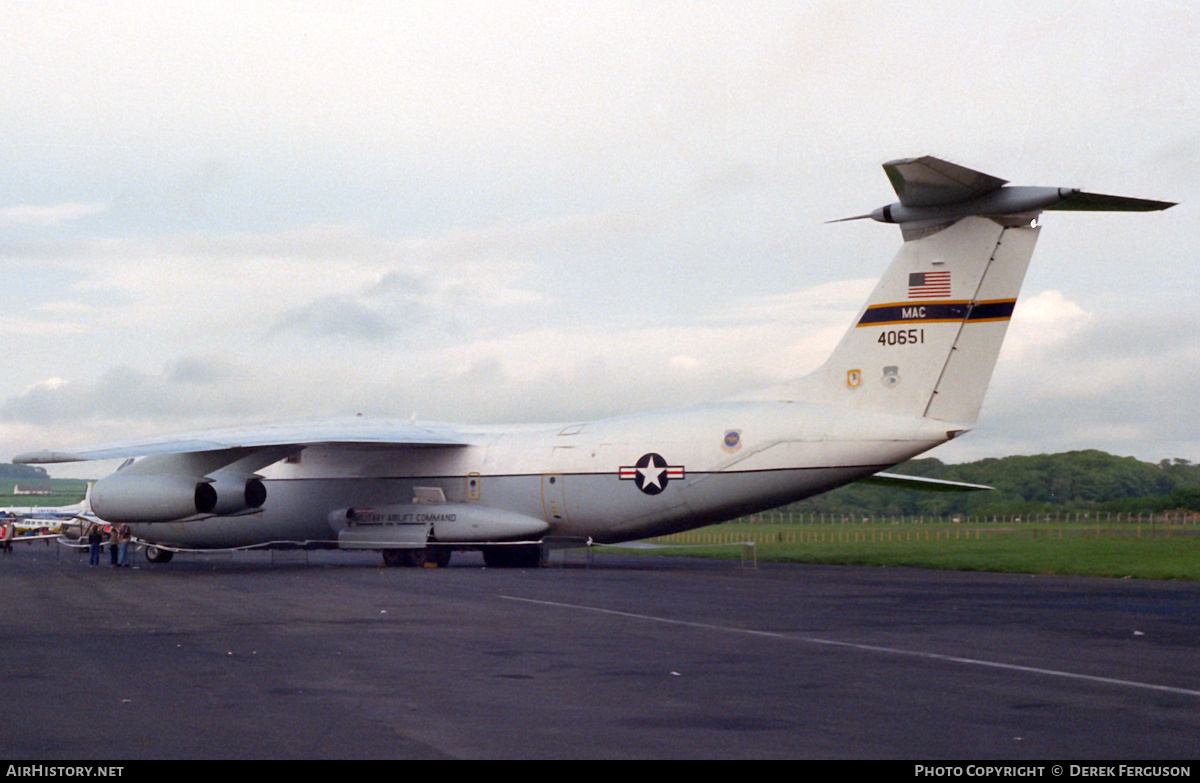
x: 28, y: 501
x: 1108, y: 550
x: 65, y: 492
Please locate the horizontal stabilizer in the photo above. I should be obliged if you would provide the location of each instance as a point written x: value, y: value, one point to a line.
x: 1079, y: 201
x: 898, y: 481
x: 935, y: 193
x: 928, y: 181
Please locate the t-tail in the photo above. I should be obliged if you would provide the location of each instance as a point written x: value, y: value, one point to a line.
x: 926, y: 342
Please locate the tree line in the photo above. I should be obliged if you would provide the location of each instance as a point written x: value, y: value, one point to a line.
x: 1076, y: 480
x: 10, y: 472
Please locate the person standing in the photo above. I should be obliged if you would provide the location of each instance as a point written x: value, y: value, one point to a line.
x: 95, y: 538
x: 114, y: 541
x: 123, y: 538
x: 10, y: 531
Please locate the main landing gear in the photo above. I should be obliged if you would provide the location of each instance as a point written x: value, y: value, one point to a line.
x: 495, y: 556
x: 158, y: 555
x: 416, y: 558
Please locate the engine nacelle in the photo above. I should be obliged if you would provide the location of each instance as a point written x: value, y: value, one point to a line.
x: 134, y: 498
x: 236, y: 494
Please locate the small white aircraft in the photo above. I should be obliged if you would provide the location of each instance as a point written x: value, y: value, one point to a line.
x: 909, y: 374
x: 50, y: 518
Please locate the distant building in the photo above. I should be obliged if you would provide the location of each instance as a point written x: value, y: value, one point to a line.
x: 33, y: 489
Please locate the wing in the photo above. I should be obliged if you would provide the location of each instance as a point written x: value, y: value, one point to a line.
x: 280, y: 438
x: 12, y: 524
x: 214, y: 473
x: 29, y: 538
x: 897, y: 481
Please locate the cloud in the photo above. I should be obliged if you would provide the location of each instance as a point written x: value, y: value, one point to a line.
x: 50, y: 215
x: 26, y: 326
x: 336, y: 317
x: 1041, y: 321
x: 124, y: 395
x: 1101, y: 378
x: 200, y: 371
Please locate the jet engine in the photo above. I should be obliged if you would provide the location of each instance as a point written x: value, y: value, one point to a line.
x: 170, y: 498
x: 136, y: 498
x: 236, y: 494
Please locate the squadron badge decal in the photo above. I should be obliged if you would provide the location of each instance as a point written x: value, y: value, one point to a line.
x: 651, y: 474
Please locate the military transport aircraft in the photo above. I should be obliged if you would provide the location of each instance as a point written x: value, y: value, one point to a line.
x: 909, y: 374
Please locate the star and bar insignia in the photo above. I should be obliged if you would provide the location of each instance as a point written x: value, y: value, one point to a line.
x: 651, y: 474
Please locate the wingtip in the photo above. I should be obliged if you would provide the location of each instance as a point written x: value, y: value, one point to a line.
x: 45, y: 457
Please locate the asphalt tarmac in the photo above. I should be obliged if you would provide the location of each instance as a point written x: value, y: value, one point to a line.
x: 329, y: 655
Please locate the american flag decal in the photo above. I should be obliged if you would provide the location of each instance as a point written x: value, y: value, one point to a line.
x: 928, y: 285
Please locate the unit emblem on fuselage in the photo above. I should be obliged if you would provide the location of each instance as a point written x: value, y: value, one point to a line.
x: 651, y: 474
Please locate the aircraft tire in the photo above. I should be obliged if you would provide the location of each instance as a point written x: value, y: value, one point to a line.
x: 439, y: 556
x: 406, y: 558
x: 158, y: 555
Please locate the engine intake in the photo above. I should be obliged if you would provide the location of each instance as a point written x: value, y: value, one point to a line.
x: 235, y: 494
x: 135, y: 498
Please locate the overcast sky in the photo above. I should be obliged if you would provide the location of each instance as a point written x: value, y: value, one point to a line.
x: 222, y: 213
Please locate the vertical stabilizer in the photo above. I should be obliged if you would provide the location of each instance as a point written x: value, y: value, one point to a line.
x: 927, y: 340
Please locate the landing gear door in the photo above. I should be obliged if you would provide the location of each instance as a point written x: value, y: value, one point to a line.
x: 554, y: 498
